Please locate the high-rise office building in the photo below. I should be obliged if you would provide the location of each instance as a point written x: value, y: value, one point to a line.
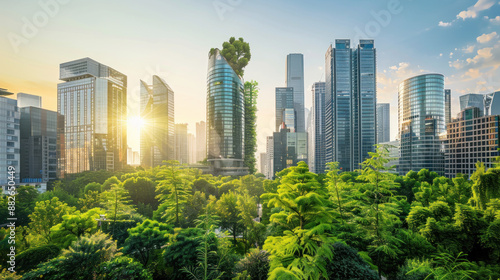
x: 201, y: 141
x: 191, y: 148
x: 181, y: 143
x: 289, y: 148
x: 383, y: 122
x: 471, y: 138
x: 269, y: 157
x: 310, y: 139
x: 421, y: 123
x: 9, y: 140
x: 295, y: 80
x: 285, y: 108
x: 447, y: 106
x: 263, y: 163
x: 93, y: 101
x: 318, y: 128
x: 350, y: 103
x: 225, y: 118
x: 488, y: 104
x: 27, y: 100
x: 157, y: 111
x: 41, y: 149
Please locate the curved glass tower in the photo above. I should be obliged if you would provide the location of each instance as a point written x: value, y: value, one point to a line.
x: 225, y: 117
x: 421, y: 119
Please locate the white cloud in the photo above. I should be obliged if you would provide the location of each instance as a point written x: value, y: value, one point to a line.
x: 457, y: 64
x: 469, y: 49
x: 485, y: 38
x: 440, y: 54
x: 444, y: 24
x: 495, y: 19
x: 451, y: 54
x: 481, y: 54
x: 472, y: 11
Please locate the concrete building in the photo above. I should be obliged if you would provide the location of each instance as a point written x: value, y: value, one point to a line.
x: 28, y: 100
x: 191, y: 148
x: 9, y: 142
x: 201, y: 141
x: 181, y: 150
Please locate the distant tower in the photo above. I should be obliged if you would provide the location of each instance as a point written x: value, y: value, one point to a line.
x: 201, y: 141
x: 383, y: 122
x: 295, y: 80
x: 157, y: 111
x: 181, y: 150
x: 318, y: 116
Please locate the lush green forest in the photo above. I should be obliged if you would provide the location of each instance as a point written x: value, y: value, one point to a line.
x: 173, y: 222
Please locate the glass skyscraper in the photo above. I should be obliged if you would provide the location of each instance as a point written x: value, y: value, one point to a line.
x: 488, y: 104
x: 447, y: 106
x: 9, y: 139
x: 225, y: 117
x: 295, y: 80
x: 317, y: 157
x: 41, y: 144
x: 93, y: 101
x: 181, y: 150
x: 383, y: 122
x: 350, y: 103
x: 285, y: 108
x: 421, y: 122
x: 157, y: 111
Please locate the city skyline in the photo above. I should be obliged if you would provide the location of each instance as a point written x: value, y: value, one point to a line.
x: 33, y: 63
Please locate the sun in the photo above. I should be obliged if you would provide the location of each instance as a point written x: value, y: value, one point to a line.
x: 136, y: 122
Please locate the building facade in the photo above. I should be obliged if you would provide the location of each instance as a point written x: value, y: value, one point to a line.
x: 225, y: 118
x: 269, y: 157
x: 191, y: 148
x: 93, y: 101
x: 263, y: 163
x: 318, y: 129
x: 285, y: 108
x: 471, y: 138
x: 41, y: 144
x: 447, y: 106
x: 383, y: 122
x: 181, y: 149
x: 289, y: 148
x: 421, y: 123
x: 350, y: 103
x: 158, y: 133
x: 27, y: 100
x: 488, y: 104
x: 9, y: 141
x: 295, y: 80
x: 201, y: 141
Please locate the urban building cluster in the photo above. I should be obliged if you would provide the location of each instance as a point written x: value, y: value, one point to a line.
x: 89, y: 130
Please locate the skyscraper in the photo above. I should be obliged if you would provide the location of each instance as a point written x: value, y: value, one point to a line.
x: 421, y: 123
x: 269, y: 157
x: 93, y: 101
x: 383, y: 122
x: 191, y: 148
x: 41, y: 149
x: 285, y: 108
x: 225, y: 117
x: 201, y: 141
x: 295, y: 80
x: 318, y: 128
x: 157, y: 111
x: 447, y: 106
x: 181, y: 143
x: 488, y: 104
x: 263, y: 163
x: 27, y: 100
x: 9, y: 140
x: 350, y: 102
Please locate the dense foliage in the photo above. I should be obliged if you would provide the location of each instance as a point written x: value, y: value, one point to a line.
x: 174, y: 222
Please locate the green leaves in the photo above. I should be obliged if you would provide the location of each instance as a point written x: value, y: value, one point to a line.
x: 237, y: 54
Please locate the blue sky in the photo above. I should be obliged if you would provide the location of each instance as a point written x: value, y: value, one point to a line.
x: 459, y: 39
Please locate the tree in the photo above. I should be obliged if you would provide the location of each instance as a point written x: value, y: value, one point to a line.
x: 227, y: 210
x: 25, y: 203
x: 90, y: 199
x: 47, y: 214
x: 29, y: 259
x: 236, y: 53
x: 146, y: 239
x: 116, y: 200
x: 378, y: 207
x: 486, y: 185
x: 306, y: 214
x: 182, y: 251
x: 123, y: 268
x: 173, y: 190
x: 348, y: 264
x: 74, y: 226
x: 256, y: 264
x: 80, y: 261
x: 251, y: 93
x: 247, y: 208
x: 141, y: 190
